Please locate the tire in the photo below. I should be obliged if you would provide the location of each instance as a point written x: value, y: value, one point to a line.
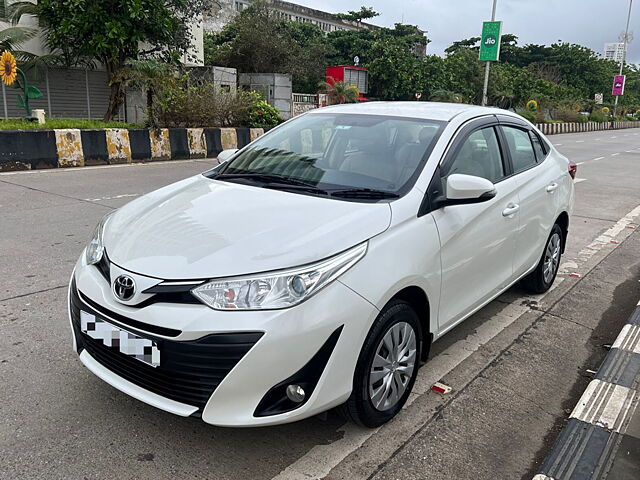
x: 399, y: 320
x: 541, y: 279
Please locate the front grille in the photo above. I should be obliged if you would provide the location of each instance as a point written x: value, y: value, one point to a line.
x: 189, y: 371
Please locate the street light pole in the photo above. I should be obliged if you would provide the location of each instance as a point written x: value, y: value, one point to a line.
x: 487, y: 67
x: 624, y: 54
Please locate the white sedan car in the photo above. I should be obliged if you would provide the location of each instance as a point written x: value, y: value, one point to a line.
x: 315, y: 267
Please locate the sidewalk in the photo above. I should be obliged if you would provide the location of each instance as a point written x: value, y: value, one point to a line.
x: 601, y: 440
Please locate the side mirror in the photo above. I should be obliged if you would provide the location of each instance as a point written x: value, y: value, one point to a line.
x: 225, y: 155
x: 463, y: 189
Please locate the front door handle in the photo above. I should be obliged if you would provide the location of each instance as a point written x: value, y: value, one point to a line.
x: 510, y: 210
x: 552, y: 187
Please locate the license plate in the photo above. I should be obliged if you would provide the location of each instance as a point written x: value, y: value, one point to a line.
x: 125, y: 342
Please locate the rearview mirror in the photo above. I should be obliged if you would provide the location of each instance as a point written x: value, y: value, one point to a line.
x: 225, y: 155
x: 462, y: 189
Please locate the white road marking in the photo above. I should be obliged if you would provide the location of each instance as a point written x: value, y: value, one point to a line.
x: 124, y: 195
x: 579, y: 141
x: 615, y: 154
x: 579, y: 180
x: 321, y: 459
x: 604, y: 404
x: 100, y: 167
x: 557, y: 144
x: 579, y: 163
x: 599, y: 158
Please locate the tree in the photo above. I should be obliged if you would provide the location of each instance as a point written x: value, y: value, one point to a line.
x: 110, y: 32
x: 395, y: 70
x: 357, y: 16
x: 339, y: 92
x: 298, y: 49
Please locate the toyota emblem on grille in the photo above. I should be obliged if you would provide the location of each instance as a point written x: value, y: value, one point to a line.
x: 124, y: 287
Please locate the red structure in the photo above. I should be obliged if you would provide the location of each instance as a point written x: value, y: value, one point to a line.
x: 350, y: 75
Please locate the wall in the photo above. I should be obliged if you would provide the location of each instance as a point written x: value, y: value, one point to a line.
x: 67, y: 93
x: 276, y: 87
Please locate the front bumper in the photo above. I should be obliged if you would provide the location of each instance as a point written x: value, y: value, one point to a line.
x: 220, y: 365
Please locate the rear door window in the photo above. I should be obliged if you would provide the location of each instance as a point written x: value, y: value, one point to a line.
x: 538, y: 146
x: 520, y: 147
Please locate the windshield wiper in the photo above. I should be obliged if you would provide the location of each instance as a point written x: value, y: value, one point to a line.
x: 266, y: 178
x: 275, y: 182
x: 368, y: 193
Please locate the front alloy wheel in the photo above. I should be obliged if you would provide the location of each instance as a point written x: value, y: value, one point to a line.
x: 387, y: 366
x: 392, y: 366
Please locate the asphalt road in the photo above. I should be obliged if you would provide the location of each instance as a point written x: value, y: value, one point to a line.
x: 516, y: 366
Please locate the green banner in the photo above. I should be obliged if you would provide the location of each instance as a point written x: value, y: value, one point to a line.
x: 490, y: 42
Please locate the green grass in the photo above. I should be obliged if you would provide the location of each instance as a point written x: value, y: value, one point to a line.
x: 19, y: 124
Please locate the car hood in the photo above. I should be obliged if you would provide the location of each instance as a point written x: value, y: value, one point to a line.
x: 202, y: 228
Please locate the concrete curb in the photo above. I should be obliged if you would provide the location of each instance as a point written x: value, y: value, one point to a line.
x: 36, y: 149
x: 556, y: 128
x: 586, y: 445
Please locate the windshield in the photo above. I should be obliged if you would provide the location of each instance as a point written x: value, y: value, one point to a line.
x: 342, y: 155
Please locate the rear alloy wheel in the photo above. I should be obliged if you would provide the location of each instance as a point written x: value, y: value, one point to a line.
x: 541, y: 279
x: 387, y: 366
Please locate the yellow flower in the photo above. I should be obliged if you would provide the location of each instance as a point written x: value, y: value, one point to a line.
x: 532, y: 105
x: 8, y: 68
x: 605, y: 110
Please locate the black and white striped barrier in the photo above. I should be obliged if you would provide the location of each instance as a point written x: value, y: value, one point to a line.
x: 556, y: 128
x: 586, y: 446
x: 34, y: 149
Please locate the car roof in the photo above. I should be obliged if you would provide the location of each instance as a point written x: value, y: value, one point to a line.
x: 427, y: 110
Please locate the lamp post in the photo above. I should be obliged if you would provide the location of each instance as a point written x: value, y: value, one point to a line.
x: 624, y: 54
x: 487, y: 67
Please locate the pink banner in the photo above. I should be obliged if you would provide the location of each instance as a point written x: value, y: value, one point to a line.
x: 618, y: 85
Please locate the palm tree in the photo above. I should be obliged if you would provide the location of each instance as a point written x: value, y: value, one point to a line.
x: 148, y: 75
x: 339, y: 92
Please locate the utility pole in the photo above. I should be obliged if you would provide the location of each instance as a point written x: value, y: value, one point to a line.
x: 488, y: 64
x: 624, y: 54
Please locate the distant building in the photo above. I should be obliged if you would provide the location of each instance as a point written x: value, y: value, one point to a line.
x: 614, y: 51
x: 221, y: 12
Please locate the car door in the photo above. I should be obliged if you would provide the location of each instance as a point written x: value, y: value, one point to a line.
x: 538, y: 181
x: 477, y: 241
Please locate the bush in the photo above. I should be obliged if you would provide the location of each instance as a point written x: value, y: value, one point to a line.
x: 528, y: 114
x: 263, y: 115
x: 596, y: 116
x: 566, y: 115
x: 181, y: 102
x: 582, y: 118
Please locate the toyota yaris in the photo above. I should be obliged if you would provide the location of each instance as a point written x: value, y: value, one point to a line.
x: 314, y: 267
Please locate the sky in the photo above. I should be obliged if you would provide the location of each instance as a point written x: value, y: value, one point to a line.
x: 587, y: 22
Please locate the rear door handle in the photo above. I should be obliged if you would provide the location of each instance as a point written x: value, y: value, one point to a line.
x: 552, y: 187
x: 510, y: 210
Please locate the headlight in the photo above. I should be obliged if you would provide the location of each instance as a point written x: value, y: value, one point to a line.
x: 281, y: 289
x: 95, y: 249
